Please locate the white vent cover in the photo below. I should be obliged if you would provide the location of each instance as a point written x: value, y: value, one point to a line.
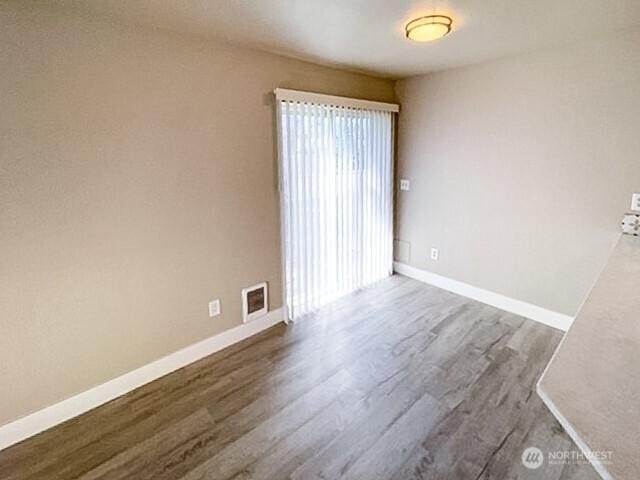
x: 255, y: 302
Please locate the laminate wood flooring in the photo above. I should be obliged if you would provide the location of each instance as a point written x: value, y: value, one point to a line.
x: 397, y: 381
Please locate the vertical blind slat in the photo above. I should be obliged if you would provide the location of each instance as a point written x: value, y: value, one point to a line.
x: 315, y: 176
x: 298, y: 225
x: 287, y: 133
x: 306, y: 200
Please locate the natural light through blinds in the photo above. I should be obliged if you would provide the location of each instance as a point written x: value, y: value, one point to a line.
x: 336, y: 168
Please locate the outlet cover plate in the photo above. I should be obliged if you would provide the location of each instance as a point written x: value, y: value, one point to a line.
x: 434, y: 254
x: 635, y: 202
x: 214, y: 308
x: 405, y: 185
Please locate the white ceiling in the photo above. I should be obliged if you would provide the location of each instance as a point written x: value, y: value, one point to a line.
x: 368, y: 35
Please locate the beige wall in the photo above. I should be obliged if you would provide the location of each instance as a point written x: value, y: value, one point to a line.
x: 137, y: 182
x: 521, y: 168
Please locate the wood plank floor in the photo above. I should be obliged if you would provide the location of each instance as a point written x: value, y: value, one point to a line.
x: 397, y: 381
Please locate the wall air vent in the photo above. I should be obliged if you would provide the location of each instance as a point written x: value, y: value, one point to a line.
x: 255, y: 302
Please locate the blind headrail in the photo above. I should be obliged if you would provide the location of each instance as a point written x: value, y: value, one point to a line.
x: 284, y: 94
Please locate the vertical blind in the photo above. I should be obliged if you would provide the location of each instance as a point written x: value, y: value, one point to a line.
x: 336, y: 167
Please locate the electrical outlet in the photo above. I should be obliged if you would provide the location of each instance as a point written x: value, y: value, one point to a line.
x: 434, y: 254
x: 405, y: 184
x: 214, y: 308
x: 635, y: 202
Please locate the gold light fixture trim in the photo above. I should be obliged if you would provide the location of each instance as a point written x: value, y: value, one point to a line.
x: 429, y: 28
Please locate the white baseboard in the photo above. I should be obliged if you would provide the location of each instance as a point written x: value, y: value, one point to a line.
x: 580, y: 443
x: 524, y: 309
x: 48, y: 417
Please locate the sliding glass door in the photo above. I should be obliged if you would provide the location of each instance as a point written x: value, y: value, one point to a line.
x: 336, y: 168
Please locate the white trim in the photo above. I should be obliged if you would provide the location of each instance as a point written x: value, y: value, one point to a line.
x: 581, y: 444
x: 320, y: 98
x: 524, y: 309
x: 25, y: 427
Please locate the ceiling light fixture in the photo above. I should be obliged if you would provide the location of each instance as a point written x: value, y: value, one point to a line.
x: 429, y: 28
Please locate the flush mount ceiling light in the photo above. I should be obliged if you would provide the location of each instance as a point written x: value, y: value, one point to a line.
x: 429, y: 28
